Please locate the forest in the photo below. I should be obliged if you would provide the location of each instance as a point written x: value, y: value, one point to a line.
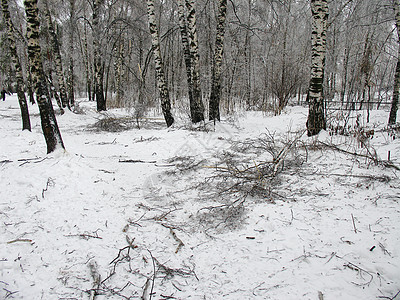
x: 199, y: 149
x: 213, y: 55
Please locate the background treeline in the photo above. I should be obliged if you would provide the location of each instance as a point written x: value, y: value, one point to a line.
x: 266, y: 51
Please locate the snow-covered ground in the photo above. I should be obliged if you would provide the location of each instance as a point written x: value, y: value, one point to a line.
x: 140, y: 213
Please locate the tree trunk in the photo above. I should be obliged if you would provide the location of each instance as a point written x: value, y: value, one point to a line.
x: 26, y: 123
x: 215, y: 95
x: 316, y: 116
x: 57, y: 57
x: 98, y: 64
x: 161, y: 83
x: 52, y: 91
x: 198, y: 107
x: 396, y: 88
x: 71, y: 79
x: 50, y: 128
x: 186, y: 52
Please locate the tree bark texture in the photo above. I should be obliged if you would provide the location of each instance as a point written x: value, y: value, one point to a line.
x: 57, y: 57
x: 50, y: 128
x: 98, y: 63
x: 215, y: 95
x: 161, y: 83
x: 396, y: 86
x: 26, y: 123
x: 186, y: 51
x: 71, y: 78
x: 198, y: 107
x: 316, y: 116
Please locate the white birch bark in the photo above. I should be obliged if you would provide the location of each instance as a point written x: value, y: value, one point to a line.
x: 316, y: 116
x: 161, y: 82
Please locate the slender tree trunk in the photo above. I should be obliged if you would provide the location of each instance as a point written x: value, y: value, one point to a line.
x: 396, y: 88
x: 316, y: 116
x: 26, y: 123
x: 87, y: 65
x: 71, y: 78
x: 52, y: 90
x: 57, y: 57
x: 119, y: 71
x: 186, y: 52
x: 98, y: 64
x: 215, y: 95
x: 50, y: 128
x: 29, y: 83
x: 198, y: 107
x: 161, y: 83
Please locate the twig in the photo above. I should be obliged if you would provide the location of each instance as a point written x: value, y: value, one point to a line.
x: 19, y: 240
x: 154, y: 275
x: 50, y: 182
x: 374, y: 159
x: 180, y: 243
x: 135, y: 161
x: 354, y: 224
x: 390, y: 298
x: 86, y: 236
x: 9, y: 293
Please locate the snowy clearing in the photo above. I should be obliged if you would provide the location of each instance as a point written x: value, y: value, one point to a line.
x: 182, y: 213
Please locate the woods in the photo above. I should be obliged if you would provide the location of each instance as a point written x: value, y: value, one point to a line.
x: 214, y: 149
x: 207, y: 58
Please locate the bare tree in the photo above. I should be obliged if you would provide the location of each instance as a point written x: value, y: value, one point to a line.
x: 57, y: 56
x: 215, y: 95
x: 98, y: 63
x: 316, y: 116
x: 197, y: 109
x: 50, y: 128
x: 396, y: 86
x: 162, y: 85
x: 26, y: 123
x: 71, y: 78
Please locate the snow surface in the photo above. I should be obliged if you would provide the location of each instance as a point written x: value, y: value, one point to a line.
x: 134, y: 214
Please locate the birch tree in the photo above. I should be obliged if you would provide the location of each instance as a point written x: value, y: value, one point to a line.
x: 316, y: 115
x: 26, y: 123
x: 161, y: 83
x: 98, y: 63
x: 215, y: 95
x: 57, y: 56
x: 396, y: 86
x: 186, y: 51
x: 197, y: 110
x: 50, y: 128
x: 71, y: 78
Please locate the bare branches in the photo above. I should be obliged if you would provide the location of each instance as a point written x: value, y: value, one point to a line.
x: 370, y: 156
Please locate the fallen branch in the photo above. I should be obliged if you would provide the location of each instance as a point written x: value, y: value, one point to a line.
x: 390, y: 298
x: 135, y: 161
x: 354, y: 224
x: 375, y: 159
x: 20, y: 240
x: 171, y: 230
x: 86, y: 236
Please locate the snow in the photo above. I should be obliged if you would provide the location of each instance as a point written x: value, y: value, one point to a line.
x: 329, y: 230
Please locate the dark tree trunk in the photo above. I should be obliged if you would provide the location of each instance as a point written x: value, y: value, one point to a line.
x: 215, y: 95
x: 98, y: 64
x: 50, y: 128
x: 396, y: 87
x: 26, y: 123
